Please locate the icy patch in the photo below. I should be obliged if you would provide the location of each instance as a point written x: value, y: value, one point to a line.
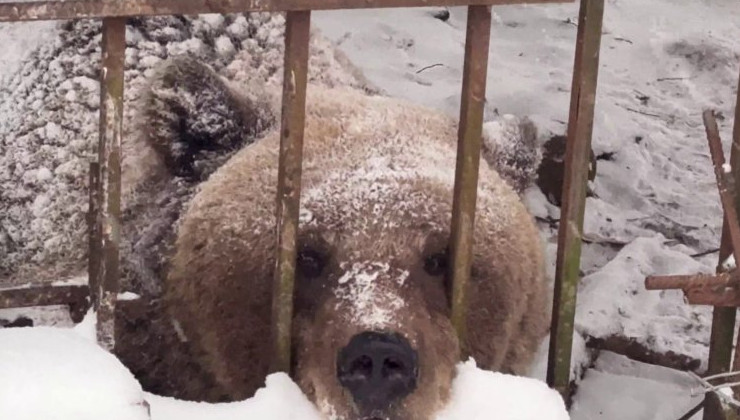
x: 364, y: 290
x: 54, y: 374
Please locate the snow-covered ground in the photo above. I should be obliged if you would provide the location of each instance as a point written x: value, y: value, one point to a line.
x: 62, y: 374
x: 655, y: 205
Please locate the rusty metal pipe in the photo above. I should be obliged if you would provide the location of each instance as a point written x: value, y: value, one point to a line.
x: 468, y: 159
x: 109, y: 159
x: 293, y: 119
x: 580, y: 127
x: 77, y: 9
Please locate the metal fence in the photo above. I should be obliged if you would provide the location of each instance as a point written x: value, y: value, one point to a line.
x: 105, y: 174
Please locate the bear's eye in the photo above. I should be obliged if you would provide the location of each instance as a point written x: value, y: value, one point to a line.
x: 310, y: 263
x: 436, y: 264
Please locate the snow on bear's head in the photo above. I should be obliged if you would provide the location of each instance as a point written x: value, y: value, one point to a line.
x: 372, y: 336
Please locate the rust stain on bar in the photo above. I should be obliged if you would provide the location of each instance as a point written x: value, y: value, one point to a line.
x: 691, y: 280
x: 74, y: 9
x: 109, y: 158
x: 293, y: 118
x: 580, y: 128
x: 468, y: 159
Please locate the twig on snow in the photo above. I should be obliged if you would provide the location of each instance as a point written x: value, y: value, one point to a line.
x: 637, y: 111
x: 664, y: 79
x: 701, y: 254
x: 429, y: 67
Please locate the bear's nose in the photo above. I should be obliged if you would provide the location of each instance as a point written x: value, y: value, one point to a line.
x: 377, y: 369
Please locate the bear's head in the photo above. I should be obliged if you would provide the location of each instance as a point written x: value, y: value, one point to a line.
x: 372, y: 336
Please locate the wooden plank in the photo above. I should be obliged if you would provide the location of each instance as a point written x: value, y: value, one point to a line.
x: 72, y: 9
x: 293, y: 118
x: 580, y: 127
x: 465, y: 191
x: 109, y: 158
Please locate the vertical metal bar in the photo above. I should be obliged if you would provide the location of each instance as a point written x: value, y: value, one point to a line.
x: 94, y: 257
x: 580, y: 128
x: 723, y: 319
x: 109, y: 158
x: 292, y: 122
x: 475, y: 69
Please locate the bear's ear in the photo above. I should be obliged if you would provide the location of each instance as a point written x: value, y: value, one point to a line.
x: 510, y: 147
x: 195, y: 121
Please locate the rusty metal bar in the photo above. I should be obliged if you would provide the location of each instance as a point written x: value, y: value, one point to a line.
x: 94, y: 240
x: 724, y: 180
x: 74, y: 296
x: 580, y: 128
x: 726, y: 184
x: 723, y: 318
x: 298, y: 25
x: 691, y: 280
x: 465, y: 193
x: 727, y: 297
x: 109, y: 158
x: 23, y: 297
x: 74, y: 9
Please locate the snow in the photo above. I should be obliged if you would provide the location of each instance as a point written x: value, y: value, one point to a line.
x: 476, y: 394
x: 372, y: 305
x: 52, y: 373
x: 655, y: 205
x: 617, y: 387
x: 58, y: 374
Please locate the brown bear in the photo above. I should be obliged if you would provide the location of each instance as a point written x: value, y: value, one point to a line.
x: 372, y: 334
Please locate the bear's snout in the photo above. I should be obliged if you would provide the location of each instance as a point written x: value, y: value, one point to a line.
x: 378, y: 369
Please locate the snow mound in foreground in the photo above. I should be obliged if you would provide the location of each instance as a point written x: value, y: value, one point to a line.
x: 57, y: 374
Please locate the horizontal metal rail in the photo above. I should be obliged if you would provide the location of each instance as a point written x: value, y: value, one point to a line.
x: 75, y: 296
x: 77, y: 9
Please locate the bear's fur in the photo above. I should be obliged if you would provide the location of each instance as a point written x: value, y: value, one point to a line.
x: 376, y: 201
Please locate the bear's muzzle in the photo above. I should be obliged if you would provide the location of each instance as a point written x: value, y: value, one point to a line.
x: 378, y: 369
